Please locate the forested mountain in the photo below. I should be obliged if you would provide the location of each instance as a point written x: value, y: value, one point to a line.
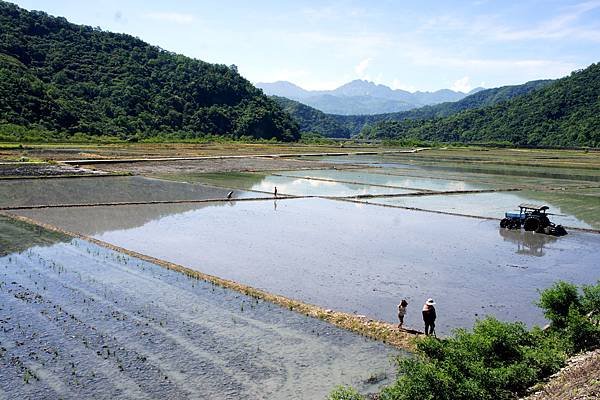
x: 360, y: 97
x: 64, y: 77
x: 564, y: 113
x: 482, y: 98
x: 312, y: 120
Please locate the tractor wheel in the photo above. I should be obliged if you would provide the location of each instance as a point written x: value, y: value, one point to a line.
x: 559, y: 230
x: 515, y: 224
x: 504, y: 223
x: 531, y: 224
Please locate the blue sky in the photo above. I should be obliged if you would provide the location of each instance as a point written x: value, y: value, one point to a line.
x: 412, y: 45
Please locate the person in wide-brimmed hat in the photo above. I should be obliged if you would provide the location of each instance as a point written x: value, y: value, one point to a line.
x: 429, y: 316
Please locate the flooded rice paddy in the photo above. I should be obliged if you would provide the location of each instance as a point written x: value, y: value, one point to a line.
x: 128, y: 328
x: 82, y: 321
x: 353, y: 257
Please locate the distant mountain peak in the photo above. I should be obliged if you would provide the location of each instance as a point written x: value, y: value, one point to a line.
x: 360, y: 96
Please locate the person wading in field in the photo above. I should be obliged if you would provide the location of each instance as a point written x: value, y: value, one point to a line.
x: 429, y: 316
x: 275, y: 191
x: 401, y: 313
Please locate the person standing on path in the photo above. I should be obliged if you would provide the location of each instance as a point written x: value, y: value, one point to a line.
x: 429, y: 316
x: 275, y: 191
x: 401, y: 312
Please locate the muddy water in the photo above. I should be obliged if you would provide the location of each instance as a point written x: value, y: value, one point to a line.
x: 81, y: 321
x: 30, y: 192
x: 357, y: 258
x: 577, y: 211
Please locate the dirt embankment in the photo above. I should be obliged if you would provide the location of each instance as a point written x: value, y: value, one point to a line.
x: 579, y: 380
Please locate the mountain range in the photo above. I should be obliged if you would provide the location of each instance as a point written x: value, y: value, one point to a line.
x: 330, y: 125
x: 361, y: 97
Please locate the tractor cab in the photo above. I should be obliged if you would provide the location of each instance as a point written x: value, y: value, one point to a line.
x: 532, y: 217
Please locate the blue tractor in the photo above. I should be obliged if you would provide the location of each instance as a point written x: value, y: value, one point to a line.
x: 533, y: 218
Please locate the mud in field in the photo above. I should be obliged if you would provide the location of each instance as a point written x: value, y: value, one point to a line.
x: 210, y: 165
x: 81, y: 321
x: 42, y: 169
x: 355, y: 257
x: 105, y: 190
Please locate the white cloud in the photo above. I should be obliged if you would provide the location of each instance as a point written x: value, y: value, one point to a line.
x: 362, y: 66
x: 178, y: 18
x: 565, y: 25
x: 462, y: 85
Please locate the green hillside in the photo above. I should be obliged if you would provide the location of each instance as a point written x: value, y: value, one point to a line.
x: 68, y: 78
x: 483, y: 98
x: 565, y: 113
x: 312, y: 120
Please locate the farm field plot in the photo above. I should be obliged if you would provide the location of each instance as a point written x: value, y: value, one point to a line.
x: 352, y: 257
x: 25, y: 192
x: 486, y: 179
x: 80, y: 320
x: 568, y: 165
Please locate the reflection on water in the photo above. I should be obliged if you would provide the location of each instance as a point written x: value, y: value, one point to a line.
x: 306, y: 187
x: 17, y: 236
x: 366, y: 178
x: 529, y: 243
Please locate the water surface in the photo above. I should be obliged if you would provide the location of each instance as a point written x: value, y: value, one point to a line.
x: 79, y: 321
x: 355, y: 257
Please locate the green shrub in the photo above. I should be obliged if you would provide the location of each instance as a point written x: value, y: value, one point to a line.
x: 557, y: 300
x: 345, y: 393
x: 574, y: 316
x: 581, y: 332
x: 590, y: 302
x: 495, y: 361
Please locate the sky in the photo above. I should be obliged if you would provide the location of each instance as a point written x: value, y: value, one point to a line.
x: 412, y: 45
